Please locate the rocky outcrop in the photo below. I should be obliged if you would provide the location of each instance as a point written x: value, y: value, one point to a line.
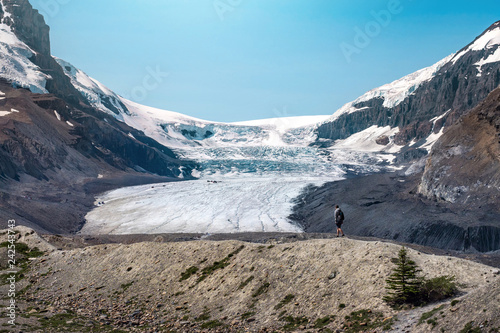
x: 464, y: 165
x: 458, y: 85
x: 30, y: 27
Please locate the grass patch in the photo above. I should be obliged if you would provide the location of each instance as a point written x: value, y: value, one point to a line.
x: 247, y: 315
x: 125, y: 286
x: 427, y: 315
x: 433, y: 322
x: 188, y: 273
x: 288, y: 298
x: 261, y: 290
x: 203, y: 317
x: 455, y: 302
x: 22, y: 254
x: 366, y: 320
x: 212, y: 324
x: 322, y: 322
x: 24, y: 249
x: 469, y: 328
x: 294, y: 322
x: 246, y: 282
x: 207, y: 271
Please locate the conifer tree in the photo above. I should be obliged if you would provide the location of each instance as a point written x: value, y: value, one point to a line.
x: 404, y: 284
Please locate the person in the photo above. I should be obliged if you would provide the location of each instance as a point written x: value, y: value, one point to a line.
x: 339, y: 220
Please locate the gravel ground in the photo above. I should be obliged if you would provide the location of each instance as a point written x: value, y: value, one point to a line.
x: 234, y: 285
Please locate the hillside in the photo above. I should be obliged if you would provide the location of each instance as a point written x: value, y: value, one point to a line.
x: 231, y: 286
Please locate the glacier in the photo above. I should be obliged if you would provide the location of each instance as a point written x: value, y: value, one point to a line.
x: 244, y: 188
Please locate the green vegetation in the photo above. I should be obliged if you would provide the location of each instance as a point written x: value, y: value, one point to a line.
x: 366, y: 320
x: 212, y: 324
x: 69, y: 322
x: 247, y: 315
x: 438, y: 288
x: 342, y: 306
x: 262, y: 289
x: 246, y: 282
x: 406, y: 287
x: 204, y: 316
x: 455, y: 302
x: 218, y: 265
x: 469, y: 328
x: 403, y: 284
x: 188, y: 273
x: 425, y: 316
x: 294, y: 322
x: 125, y: 286
x: 21, y: 255
x: 288, y: 298
x: 322, y: 322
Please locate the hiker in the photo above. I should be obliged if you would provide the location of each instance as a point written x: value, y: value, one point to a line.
x: 339, y: 219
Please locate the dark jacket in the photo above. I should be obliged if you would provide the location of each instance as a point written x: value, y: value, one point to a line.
x: 339, y: 216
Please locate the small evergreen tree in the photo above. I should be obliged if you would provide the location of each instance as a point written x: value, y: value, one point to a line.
x: 404, y: 284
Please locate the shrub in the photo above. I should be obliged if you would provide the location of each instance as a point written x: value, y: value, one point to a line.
x: 438, y: 288
x: 188, y: 273
x: 406, y: 287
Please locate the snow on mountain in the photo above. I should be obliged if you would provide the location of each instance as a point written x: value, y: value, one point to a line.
x: 177, y: 130
x: 15, y: 64
x: 395, y: 92
x: 489, y: 39
x: 98, y: 95
x: 180, y: 131
x: 367, y: 140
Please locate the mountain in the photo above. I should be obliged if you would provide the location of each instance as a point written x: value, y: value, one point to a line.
x: 68, y: 136
x: 56, y: 149
x: 417, y: 107
x: 464, y: 165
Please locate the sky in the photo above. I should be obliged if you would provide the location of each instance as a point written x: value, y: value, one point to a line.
x: 235, y: 60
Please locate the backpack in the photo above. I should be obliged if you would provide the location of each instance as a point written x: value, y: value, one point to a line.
x: 341, y: 215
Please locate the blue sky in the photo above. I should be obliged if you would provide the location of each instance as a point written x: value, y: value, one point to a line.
x: 233, y: 60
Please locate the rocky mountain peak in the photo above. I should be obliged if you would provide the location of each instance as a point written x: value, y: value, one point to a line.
x: 421, y: 104
x: 27, y: 24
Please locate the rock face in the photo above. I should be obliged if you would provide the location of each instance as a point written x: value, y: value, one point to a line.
x: 464, y: 165
x: 431, y: 98
x: 29, y: 26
